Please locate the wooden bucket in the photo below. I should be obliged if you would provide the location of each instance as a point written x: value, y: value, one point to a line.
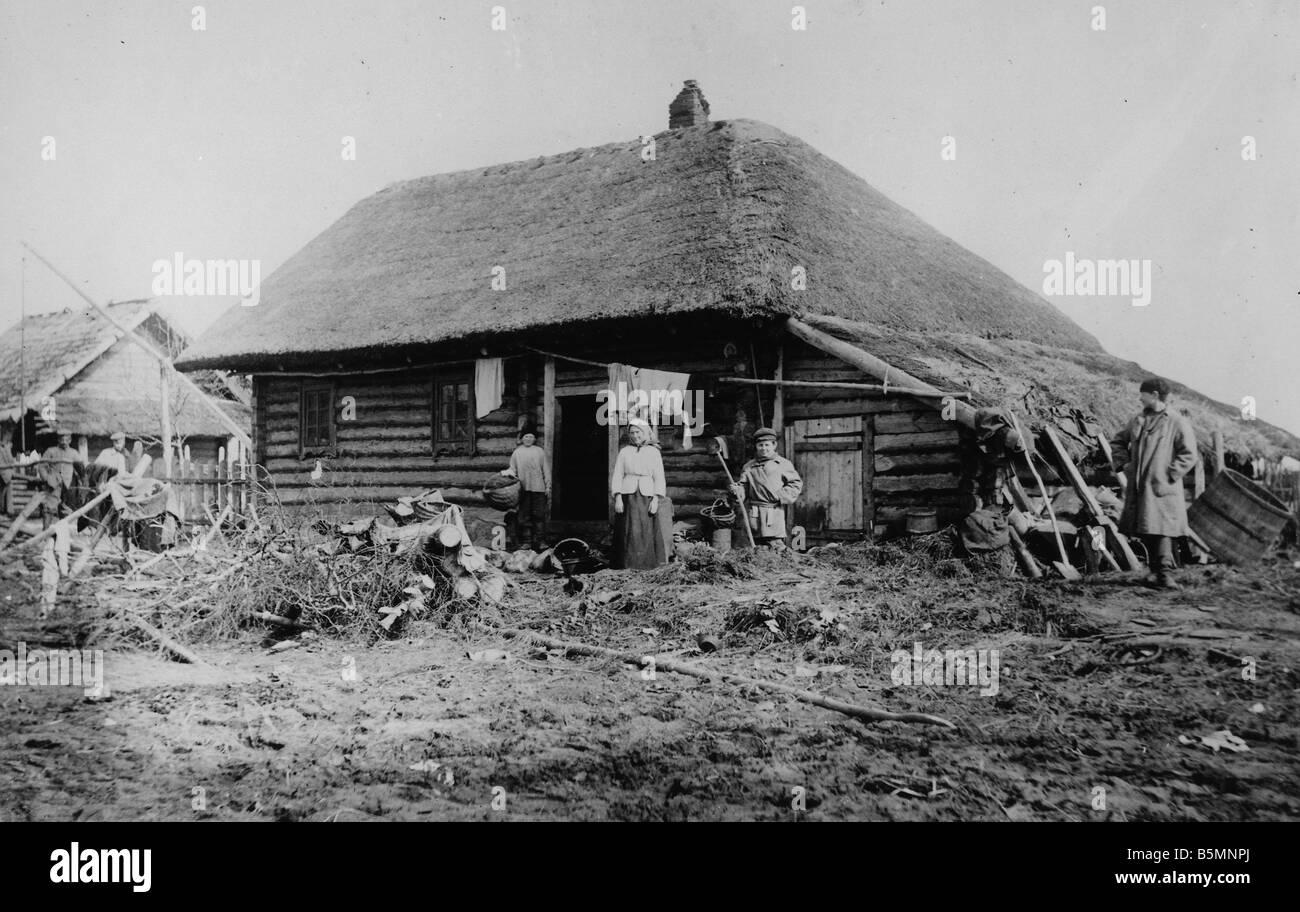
x: 1237, y: 518
x: 921, y: 521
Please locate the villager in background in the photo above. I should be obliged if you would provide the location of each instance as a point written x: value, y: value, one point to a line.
x: 1155, y: 450
x: 769, y: 482
x: 528, y: 464
x: 114, y: 457
x: 59, y: 471
x: 638, y: 487
x: 7, y: 463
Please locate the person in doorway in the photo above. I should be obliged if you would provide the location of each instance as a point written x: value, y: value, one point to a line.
x: 114, y: 457
x: 769, y: 483
x: 639, y: 488
x: 528, y: 464
x: 1153, y: 452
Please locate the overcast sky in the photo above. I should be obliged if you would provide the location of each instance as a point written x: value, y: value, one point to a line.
x: 1127, y: 142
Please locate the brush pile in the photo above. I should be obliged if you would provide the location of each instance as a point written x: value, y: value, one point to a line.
x: 360, y: 578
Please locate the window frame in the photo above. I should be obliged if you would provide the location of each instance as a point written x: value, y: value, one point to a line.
x: 316, y: 447
x: 438, y: 446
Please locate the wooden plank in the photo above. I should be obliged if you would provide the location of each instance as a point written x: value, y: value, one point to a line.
x: 548, y: 425
x: 869, y: 472
x: 917, y: 463
x: 932, y: 440
x: 917, y: 482
x: 917, y: 422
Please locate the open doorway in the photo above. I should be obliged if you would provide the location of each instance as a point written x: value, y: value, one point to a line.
x: 581, y: 470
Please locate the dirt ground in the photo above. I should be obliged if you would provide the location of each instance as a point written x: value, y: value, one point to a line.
x: 1099, y: 681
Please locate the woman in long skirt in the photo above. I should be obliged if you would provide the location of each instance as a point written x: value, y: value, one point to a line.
x: 639, y: 491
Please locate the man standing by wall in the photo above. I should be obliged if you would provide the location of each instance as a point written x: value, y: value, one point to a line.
x: 1154, y: 451
x: 59, y: 471
x: 769, y: 482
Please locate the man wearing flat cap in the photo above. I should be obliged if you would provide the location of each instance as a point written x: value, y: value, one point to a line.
x: 114, y: 457
x: 769, y: 483
x: 60, y: 465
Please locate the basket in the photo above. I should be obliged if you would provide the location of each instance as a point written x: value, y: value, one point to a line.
x: 1237, y: 518
x: 720, y: 514
x: 502, y: 492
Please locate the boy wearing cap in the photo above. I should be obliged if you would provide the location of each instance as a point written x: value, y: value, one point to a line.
x: 770, y: 482
x: 115, y: 457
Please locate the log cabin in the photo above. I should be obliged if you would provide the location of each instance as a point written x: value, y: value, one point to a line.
x: 728, y: 251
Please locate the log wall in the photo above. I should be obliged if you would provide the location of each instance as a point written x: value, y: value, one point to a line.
x: 915, y: 453
x: 386, y: 452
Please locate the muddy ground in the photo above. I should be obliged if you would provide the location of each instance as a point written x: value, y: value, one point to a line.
x: 1103, y: 685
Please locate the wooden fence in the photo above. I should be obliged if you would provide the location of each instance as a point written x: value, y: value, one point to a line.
x: 204, y: 489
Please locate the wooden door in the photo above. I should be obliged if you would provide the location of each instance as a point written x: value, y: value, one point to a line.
x: 828, y: 454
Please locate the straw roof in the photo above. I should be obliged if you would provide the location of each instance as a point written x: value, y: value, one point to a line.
x: 716, y: 221
x: 51, y: 354
x: 1035, y: 378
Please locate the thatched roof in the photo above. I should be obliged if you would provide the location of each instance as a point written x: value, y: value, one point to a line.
x: 50, y: 354
x: 716, y: 221
x: 1034, y: 378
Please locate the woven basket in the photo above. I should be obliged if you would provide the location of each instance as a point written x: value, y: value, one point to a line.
x: 1237, y: 518
x: 502, y: 492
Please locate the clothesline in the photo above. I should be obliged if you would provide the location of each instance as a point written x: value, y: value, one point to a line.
x: 551, y: 354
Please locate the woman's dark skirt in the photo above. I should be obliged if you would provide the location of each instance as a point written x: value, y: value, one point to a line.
x: 639, y: 539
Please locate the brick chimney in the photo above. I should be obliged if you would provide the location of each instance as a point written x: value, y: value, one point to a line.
x: 689, y: 109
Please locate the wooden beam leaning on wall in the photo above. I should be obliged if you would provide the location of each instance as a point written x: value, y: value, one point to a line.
x: 870, y: 364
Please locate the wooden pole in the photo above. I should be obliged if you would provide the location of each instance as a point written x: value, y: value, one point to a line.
x: 869, y: 364
x: 1113, y: 536
x: 778, y: 400
x: 162, y: 359
x: 164, y: 390
x: 1064, y: 567
x: 1218, y: 453
x: 67, y: 519
x: 837, y: 384
x: 32, y: 506
x: 548, y: 428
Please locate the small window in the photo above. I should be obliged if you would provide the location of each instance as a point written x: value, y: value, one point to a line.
x: 316, y: 418
x: 453, y: 414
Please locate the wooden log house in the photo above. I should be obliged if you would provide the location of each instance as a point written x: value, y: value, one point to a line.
x: 689, y: 252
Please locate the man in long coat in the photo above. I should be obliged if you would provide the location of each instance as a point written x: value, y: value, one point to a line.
x: 1154, y: 451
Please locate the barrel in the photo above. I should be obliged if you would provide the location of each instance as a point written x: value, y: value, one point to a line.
x: 922, y: 520
x: 1237, y: 518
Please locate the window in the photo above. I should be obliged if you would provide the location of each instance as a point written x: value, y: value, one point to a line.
x: 316, y: 418
x: 453, y: 414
